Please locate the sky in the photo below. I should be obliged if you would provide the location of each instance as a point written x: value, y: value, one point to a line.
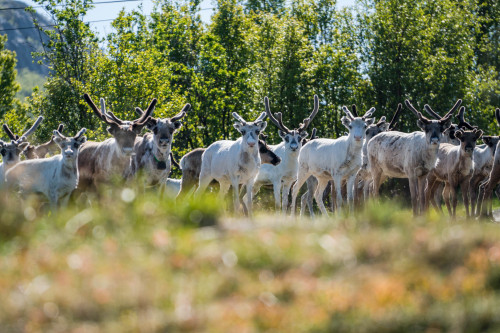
x: 107, y: 11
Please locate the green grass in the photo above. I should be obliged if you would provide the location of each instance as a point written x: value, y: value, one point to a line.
x: 133, y: 262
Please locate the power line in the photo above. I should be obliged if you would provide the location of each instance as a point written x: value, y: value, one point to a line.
x: 51, y: 25
x: 95, y: 3
x: 96, y: 21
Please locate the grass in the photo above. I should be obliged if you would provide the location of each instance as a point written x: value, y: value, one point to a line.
x: 136, y: 263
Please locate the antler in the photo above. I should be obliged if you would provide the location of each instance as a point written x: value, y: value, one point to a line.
x: 182, y: 113
x: 347, y: 112
x: 354, y: 110
x: 98, y: 112
x: 32, y: 129
x: 461, y: 120
x: 412, y: 109
x: 497, y: 115
x: 278, y: 123
x: 369, y: 113
x: 80, y: 133
x: 449, y: 113
x: 313, y: 134
x: 262, y: 116
x: 394, y: 119
x: 381, y: 120
x: 308, y: 120
x: 239, y: 118
x: 149, y: 111
x: 9, y: 133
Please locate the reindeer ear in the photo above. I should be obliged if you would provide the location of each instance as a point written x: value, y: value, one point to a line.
x: 369, y: 121
x: 177, y: 124
x: 421, y: 124
x: 479, y: 134
x: 23, y: 146
x: 112, y: 129
x: 384, y: 126
x: 262, y: 125
x: 282, y: 134
x: 459, y: 134
x: 487, y: 139
x: 445, y: 123
x: 238, y: 126
x: 346, y: 121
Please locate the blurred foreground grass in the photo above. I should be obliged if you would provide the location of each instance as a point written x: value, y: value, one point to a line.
x: 137, y: 263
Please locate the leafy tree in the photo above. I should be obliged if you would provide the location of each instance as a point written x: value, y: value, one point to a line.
x: 8, y: 85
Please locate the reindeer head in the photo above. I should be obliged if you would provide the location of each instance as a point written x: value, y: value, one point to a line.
x: 449, y: 133
x: 164, y: 129
x: 433, y: 129
x: 491, y: 142
x: 70, y: 145
x: 357, y: 125
x: 32, y: 152
x: 468, y: 139
x: 250, y: 131
x: 382, y: 124
x: 267, y: 156
x: 11, y: 151
x: 124, y: 132
x: 293, y: 138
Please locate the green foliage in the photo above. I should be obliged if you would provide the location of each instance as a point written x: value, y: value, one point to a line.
x: 8, y: 85
x: 377, y: 54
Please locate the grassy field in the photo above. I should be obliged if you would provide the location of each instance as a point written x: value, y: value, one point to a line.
x: 136, y: 263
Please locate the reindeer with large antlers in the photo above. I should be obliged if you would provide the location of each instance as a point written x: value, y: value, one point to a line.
x: 283, y: 175
x: 408, y: 155
x: 56, y: 177
x: 232, y: 163
x: 153, y: 149
x: 99, y: 161
x: 11, y: 150
x: 333, y: 159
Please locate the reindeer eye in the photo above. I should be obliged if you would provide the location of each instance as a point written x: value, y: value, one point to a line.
x: 243, y: 132
x: 350, y: 126
x: 366, y: 126
x: 287, y: 139
x: 75, y: 145
x: 257, y: 132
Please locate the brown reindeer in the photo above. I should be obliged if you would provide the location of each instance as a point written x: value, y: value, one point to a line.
x: 40, y: 151
x: 100, y: 161
x: 454, y: 167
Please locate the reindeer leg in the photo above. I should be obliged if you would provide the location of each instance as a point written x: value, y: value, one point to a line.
x: 285, y: 193
x: 337, y: 182
x: 473, y: 188
x: 350, y: 188
x: 318, y: 195
x: 421, y: 193
x: 235, y: 183
x: 249, y: 201
x: 446, y: 197
x: 464, y: 186
x: 414, y: 194
x: 296, y: 188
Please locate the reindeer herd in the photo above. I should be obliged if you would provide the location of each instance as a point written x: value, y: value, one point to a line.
x: 437, y: 160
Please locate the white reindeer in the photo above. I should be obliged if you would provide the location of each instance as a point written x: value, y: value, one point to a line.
x: 232, y: 163
x: 408, y: 155
x: 483, y: 163
x: 283, y: 175
x: 333, y: 159
x: 56, y: 177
